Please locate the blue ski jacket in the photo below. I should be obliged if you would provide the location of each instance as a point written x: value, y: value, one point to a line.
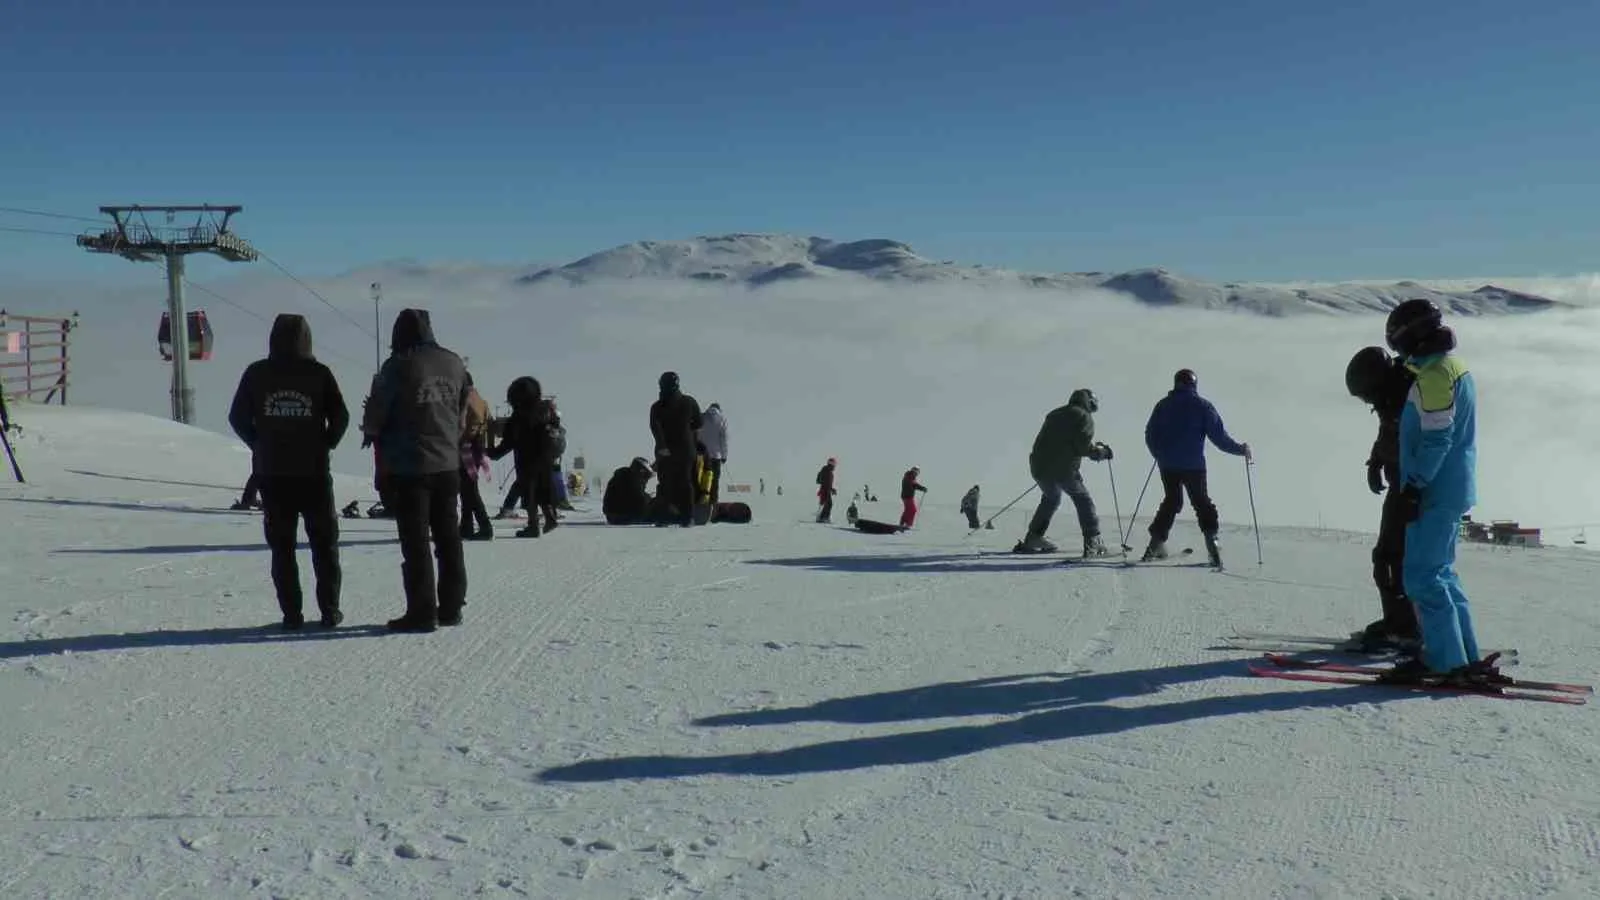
x: 1178, y: 428
x: 1439, y: 433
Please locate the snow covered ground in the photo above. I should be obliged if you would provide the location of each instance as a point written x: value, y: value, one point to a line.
x: 778, y: 710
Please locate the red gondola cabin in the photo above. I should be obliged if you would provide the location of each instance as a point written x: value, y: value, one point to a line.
x: 199, y: 335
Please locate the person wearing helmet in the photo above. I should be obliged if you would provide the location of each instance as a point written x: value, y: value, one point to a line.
x: 1438, y: 461
x: 626, y: 501
x: 1176, y: 435
x: 529, y: 436
x: 1382, y: 382
x: 909, y: 486
x: 825, y: 490
x: 1064, y: 440
x: 674, y: 419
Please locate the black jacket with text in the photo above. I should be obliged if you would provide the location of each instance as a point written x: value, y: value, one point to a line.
x: 288, y: 407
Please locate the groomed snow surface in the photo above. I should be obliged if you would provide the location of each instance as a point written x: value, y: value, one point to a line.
x: 778, y: 710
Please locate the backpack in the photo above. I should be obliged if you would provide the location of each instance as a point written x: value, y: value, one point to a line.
x: 558, y: 439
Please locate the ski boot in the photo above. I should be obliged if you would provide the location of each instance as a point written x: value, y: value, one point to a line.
x: 1035, y: 543
x: 1214, y: 551
x: 1484, y: 674
x: 1094, y: 548
x: 352, y: 510
x: 1156, y: 551
x: 1379, y: 637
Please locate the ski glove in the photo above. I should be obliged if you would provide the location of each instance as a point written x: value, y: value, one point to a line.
x: 1099, y: 452
x: 1375, y: 477
x: 1410, y: 503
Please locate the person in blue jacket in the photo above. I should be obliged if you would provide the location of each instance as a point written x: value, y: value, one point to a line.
x: 1438, y: 462
x: 1176, y: 436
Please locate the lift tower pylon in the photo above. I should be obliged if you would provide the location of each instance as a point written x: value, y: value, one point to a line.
x: 133, y: 237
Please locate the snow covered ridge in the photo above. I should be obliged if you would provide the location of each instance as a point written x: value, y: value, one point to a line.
x: 757, y: 260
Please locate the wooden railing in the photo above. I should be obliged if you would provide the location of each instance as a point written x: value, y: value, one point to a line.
x: 42, y: 342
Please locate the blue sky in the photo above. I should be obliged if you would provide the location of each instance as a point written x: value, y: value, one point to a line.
x: 1239, y: 140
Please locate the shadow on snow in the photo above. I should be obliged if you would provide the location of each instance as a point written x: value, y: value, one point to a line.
x: 1048, y: 706
x: 165, y: 549
x: 195, y: 484
x: 131, y: 507
x: 938, y: 563
x: 136, y: 640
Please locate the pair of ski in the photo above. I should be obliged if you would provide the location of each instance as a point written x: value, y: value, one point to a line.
x: 1272, y: 642
x: 1293, y: 669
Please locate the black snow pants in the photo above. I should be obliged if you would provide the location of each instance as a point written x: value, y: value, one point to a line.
x: 285, y: 500
x: 676, y: 487
x: 425, y: 507
x: 1174, y: 484
x: 474, y: 516
x: 1387, y: 558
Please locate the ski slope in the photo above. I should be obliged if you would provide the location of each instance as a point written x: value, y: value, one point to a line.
x: 777, y: 710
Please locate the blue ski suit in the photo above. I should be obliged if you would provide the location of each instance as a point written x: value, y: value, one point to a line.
x: 1438, y: 456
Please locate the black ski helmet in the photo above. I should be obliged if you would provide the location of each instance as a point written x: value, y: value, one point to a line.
x: 1368, y: 373
x: 524, y: 392
x: 1185, y: 378
x: 1412, y: 323
x: 668, y: 381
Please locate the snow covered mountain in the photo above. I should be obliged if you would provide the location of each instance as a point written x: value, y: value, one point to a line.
x: 758, y: 260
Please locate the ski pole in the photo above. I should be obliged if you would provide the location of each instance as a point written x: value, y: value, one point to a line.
x: 990, y: 521
x: 1250, y: 485
x: 12, y: 455
x: 1115, y: 505
x: 1140, y: 502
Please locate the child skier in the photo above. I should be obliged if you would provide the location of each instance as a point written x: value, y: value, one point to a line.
x: 1383, y: 383
x: 909, y: 486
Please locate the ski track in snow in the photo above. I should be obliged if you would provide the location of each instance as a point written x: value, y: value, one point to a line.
x: 766, y: 711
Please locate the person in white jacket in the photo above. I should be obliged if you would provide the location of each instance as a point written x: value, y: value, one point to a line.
x: 713, y: 435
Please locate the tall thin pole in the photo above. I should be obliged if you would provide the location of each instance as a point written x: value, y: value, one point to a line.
x: 377, y: 327
x: 182, y: 394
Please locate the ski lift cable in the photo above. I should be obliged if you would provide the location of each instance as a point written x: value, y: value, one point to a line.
x: 313, y: 292
x: 260, y: 318
x: 17, y: 230
x: 49, y: 215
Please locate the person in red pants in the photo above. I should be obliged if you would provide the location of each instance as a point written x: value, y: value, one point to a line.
x: 908, y: 496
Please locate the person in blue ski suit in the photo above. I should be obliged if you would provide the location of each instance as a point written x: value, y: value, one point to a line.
x: 1438, y: 459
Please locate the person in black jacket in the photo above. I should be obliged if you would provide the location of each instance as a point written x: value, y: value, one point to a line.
x: 825, y: 490
x: 674, y: 419
x: 289, y: 410
x: 1383, y: 382
x: 626, y: 501
x: 528, y: 435
x: 415, y: 416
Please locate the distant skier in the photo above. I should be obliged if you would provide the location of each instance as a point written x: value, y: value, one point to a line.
x: 674, y: 419
x: 1176, y: 435
x: 851, y: 513
x: 714, y: 435
x: 825, y: 490
x: 909, y: 487
x: 1065, y: 439
x: 288, y: 409
x: 626, y: 502
x: 1438, y: 461
x: 1383, y: 383
x: 969, y: 508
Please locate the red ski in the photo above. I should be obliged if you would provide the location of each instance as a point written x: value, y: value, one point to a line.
x: 1351, y: 678
x: 1289, y: 662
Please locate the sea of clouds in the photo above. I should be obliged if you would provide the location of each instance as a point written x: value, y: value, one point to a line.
x: 953, y: 379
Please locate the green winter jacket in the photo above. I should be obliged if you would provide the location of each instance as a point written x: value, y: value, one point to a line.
x: 1063, y: 441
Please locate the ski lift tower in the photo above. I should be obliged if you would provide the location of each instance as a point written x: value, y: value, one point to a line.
x: 133, y: 237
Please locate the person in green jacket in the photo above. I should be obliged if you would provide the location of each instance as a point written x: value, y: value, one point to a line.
x: 1064, y: 441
